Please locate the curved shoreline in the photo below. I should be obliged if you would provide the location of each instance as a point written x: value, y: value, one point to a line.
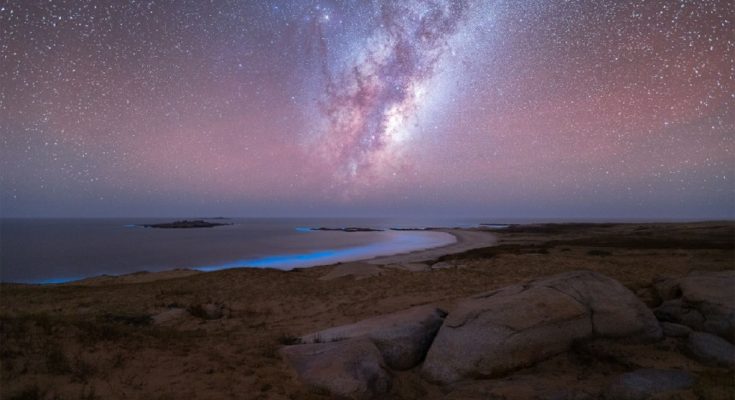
x: 463, y: 240
x: 393, y: 243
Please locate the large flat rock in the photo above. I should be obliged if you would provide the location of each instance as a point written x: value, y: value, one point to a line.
x: 403, y: 338
x: 349, y: 368
x: 494, y: 333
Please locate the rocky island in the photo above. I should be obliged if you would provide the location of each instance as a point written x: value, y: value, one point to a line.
x: 348, y: 229
x: 182, y: 224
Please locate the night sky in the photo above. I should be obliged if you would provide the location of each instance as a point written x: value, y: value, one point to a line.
x: 569, y: 109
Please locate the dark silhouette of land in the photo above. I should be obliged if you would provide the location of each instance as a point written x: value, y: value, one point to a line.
x: 184, y: 224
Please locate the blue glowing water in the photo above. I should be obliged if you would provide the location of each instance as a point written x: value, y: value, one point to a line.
x: 390, y: 243
x: 60, y: 250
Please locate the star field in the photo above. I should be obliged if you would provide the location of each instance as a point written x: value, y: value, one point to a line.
x: 497, y: 108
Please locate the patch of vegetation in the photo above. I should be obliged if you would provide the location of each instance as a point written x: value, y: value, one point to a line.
x: 269, y: 350
x: 82, y: 371
x: 19, y: 326
x: 647, y: 242
x: 108, y: 327
x: 129, y: 319
x: 490, y: 252
x: 33, y: 392
x: 664, y: 238
x: 288, y: 340
x: 56, y: 361
x: 715, y: 384
x: 173, y: 292
x: 88, y: 394
x: 198, y: 311
x: 93, y: 332
x: 548, y: 229
x: 167, y: 335
x: 118, y: 361
x: 599, y: 253
x: 318, y: 392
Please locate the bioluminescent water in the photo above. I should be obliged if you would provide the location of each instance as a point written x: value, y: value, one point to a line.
x: 60, y: 250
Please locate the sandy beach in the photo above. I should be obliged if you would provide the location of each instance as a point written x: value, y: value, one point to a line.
x: 219, y: 334
x: 466, y: 240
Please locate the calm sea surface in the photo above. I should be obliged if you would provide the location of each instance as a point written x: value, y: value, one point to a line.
x: 58, y: 250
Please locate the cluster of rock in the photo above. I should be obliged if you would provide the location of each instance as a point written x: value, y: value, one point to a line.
x: 361, y: 270
x: 495, y: 333
x: 701, y: 308
x: 353, y: 360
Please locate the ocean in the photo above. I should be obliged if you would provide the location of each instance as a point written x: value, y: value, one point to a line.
x: 60, y: 250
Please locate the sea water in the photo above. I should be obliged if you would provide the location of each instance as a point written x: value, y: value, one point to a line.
x: 60, y: 250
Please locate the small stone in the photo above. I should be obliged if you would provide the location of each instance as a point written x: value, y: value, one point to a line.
x: 711, y: 349
x: 442, y: 265
x: 675, y: 330
x: 677, y: 312
x: 170, y: 314
x: 644, y: 383
x: 649, y: 296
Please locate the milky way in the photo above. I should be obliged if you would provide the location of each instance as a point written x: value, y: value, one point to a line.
x: 376, y: 94
x: 325, y: 107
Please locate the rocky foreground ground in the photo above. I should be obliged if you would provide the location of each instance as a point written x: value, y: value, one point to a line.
x: 571, y: 311
x: 492, y: 335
